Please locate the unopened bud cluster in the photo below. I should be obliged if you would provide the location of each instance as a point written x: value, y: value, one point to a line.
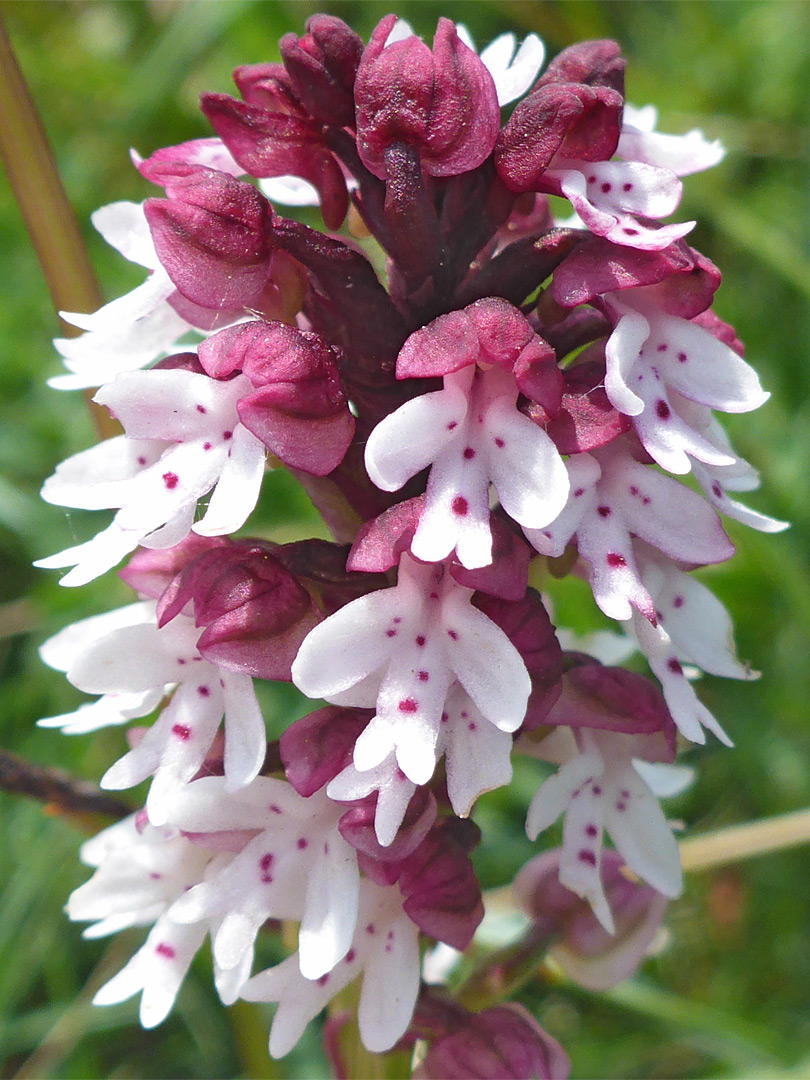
x: 516, y: 388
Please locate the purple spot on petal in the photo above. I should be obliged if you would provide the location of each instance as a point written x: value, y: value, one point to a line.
x: 682, y: 357
x: 181, y: 660
x: 630, y: 232
x: 408, y: 705
x: 469, y: 453
x: 445, y: 717
x: 265, y: 863
x: 141, y: 460
x: 171, y: 480
x: 615, y: 560
x: 155, y: 876
x: 579, y: 492
x: 274, y: 809
x: 717, y: 491
x: 420, y: 640
x: 422, y: 676
x: 164, y: 950
x: 663, y: 347
x: 453, y: 635
x: 606, y: 187
x: 350, y: 955
x: 370, y: 929
x: 591, y: 179
x: 182, y: 732
x: 674, y: 666
x: 203, y: 691
x: 227, y: 435
x: 627, y: 187
x: 390, y: 633
x: 677, y: 601
x: 499, y: 443
x: 324, y: 979
x: 603, y: 511
x: 662, y: 409
x: 587, y: 857
x: 206, y: 446
x: 596, y: 790
x: 472, y: 726
x: 625, y: 794
x: 460, y: 506
x: 591, y: 830
x: 452, y: 424
x: 201, y: 409
x: 620, y: 806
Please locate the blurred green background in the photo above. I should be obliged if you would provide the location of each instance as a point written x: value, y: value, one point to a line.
x: 730, y: 995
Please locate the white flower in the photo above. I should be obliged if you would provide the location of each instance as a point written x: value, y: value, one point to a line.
x: 402, y: 649
x: 183, y: 439
x: 133, y: 330
x: 681, y: 154
x: 651, y: 354
x: 478, y: 759
x: 608, y: 196
x: 598, y: 788
x: 385, y: 950
x: 141, y: 871
x: 472, y: 434
x: 297, y: 866
x: 614, y: 498
x: 692, y: 624
x: 97, y: 655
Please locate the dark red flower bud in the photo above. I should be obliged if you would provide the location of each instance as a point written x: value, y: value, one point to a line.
x: 322, y: 66
x: 254, y: 611
x: 317, y: 747
x: 490, y: 331
x: 501, y: 1043
x: 586, y: 418
x: 150, y: 570
x: 299, y: 409
x: 587, y: 953
x: 442, y: 894
x: 571, y: 120
x: 442, y: 102
x: 278, y: 144
x: 614, y: 699
x: 357, y: 827
x: 212, y: 234
x: 595, y: 63
x: 267, y: 86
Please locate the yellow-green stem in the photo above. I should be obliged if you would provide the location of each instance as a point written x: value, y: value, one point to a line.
x: 48, y: 216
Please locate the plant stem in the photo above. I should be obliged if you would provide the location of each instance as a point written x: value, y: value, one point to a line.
x: 44, y: 206
x: 745, y: 841
x: 63, y: 794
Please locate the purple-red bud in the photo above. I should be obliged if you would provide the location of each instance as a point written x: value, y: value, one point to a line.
x: 298, y: 409
x: 583, y: 948
x: 254, y: 611
x: 443, y: 101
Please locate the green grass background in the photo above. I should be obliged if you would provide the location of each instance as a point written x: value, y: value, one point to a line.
x: 730, y: 995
